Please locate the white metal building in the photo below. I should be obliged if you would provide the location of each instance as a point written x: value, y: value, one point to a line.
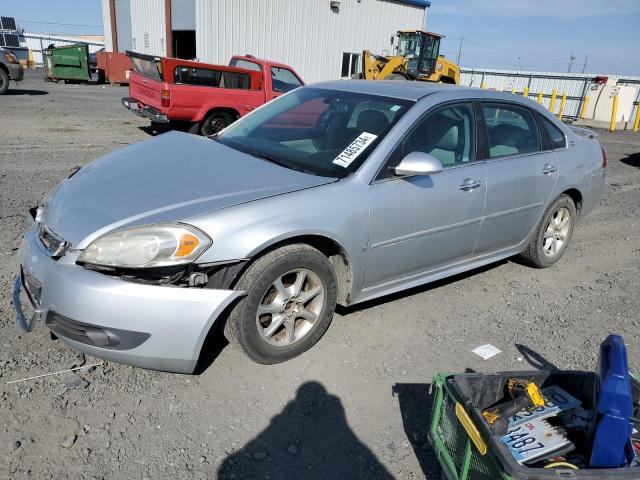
x: 320, y: 39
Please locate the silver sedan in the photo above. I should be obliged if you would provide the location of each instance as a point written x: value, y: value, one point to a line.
x: 338, y: 192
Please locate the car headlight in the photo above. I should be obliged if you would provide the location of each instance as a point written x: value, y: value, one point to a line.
x: 147, y: 246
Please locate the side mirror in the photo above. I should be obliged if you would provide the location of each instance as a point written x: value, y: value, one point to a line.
x: 418, y: 163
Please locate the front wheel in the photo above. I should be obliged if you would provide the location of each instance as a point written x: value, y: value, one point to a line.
x: 289, y: 303
x: 552, y: 235
x: 4, y: 82
x: 215, y: 122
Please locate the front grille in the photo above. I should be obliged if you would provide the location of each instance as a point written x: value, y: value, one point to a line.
x: 54, y: 244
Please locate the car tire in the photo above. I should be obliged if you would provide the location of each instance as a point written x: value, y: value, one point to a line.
x: 4, y: 82
x: 215, y: 122
x: 552, y: 235
x: 294, y: 317
x: 194, y: 129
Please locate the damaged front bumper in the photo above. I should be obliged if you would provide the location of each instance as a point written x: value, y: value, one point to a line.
x: 151, y: 326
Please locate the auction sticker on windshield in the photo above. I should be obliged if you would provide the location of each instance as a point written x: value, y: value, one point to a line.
x: 356, y: 147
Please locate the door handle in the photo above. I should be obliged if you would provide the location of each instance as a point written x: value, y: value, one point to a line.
x: 469, y: 184
x: 547, y: 169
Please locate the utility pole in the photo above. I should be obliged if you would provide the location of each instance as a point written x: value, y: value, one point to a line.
x: 459, y: 52
x: 571, y: 59
x: 584, y: 67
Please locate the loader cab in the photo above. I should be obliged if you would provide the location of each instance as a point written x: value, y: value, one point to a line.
x: 420, y: 50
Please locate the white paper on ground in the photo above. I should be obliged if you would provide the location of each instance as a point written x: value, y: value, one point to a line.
x: 486, y: 351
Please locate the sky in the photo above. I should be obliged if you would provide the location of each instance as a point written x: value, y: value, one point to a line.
x: 541, y: 35
x: 538, y: 35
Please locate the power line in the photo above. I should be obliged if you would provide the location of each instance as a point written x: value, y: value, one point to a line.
x: 61, y: 24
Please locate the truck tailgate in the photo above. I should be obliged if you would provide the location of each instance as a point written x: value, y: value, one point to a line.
x: 145, y: 90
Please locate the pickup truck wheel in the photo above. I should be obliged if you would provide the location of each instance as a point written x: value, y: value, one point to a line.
x: 4, y: 82
x: 215, y: 122
x: 289, y: 303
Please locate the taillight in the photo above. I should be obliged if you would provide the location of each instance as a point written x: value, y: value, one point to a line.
x: 166, y: 98
x: 604, y: 158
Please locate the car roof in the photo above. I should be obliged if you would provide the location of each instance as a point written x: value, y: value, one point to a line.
x: 409, y: 90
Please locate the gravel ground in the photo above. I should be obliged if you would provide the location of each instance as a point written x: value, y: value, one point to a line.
x: 355, y: 406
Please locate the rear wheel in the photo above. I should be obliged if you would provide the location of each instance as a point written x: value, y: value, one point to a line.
x: 396, y: 76
x: 4, y: 82
x: 215, y: 122
x: 289, y: 303
x: 552, y: 235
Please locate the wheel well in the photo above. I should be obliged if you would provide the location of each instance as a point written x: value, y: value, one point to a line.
x: 231, y: 111
x: 576, y: 196
x: 450, y: 80
x: 331, y: 249
x: 3, y: 67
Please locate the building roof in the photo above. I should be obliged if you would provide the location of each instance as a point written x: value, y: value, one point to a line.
x: 417, y: 3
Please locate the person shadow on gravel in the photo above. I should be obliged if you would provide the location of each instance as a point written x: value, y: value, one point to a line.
x: 309, y: 439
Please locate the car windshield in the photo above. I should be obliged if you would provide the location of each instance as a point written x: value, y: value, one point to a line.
x: 322, y: 132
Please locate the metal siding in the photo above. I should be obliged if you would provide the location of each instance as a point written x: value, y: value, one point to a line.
x: 106, y: 21
x: 310, y: 36
x: 573, y: 86
x: 123, y: 25
x: 183, y: 14
x: 147, y: 16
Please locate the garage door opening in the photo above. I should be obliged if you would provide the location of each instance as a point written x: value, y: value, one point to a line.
x: 184, y: 44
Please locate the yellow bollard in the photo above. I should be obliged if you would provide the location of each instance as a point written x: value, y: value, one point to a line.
x: 552, y: 103
x: 636, y: 122
x: 513, y: 90
x: 483, y: 85
x: 539, y: 99
x: 583, y: 110
x: 525, y: 93
x: 614, y: 114
x: 562, y: 104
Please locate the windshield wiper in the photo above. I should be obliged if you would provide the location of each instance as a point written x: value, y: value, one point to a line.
x: 270, y: 159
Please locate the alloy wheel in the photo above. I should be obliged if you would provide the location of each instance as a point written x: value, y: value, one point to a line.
x: 556, y: 233
x: 290, y: 307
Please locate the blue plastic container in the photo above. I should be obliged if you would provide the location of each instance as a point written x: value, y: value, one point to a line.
x: 612, y: 437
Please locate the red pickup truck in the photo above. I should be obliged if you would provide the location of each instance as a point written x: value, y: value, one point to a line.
x: 204, y: 97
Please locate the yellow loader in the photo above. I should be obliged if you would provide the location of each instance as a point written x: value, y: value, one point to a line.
x: 417, y: 58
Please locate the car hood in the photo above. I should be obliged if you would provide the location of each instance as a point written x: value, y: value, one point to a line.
x: 170, y: 178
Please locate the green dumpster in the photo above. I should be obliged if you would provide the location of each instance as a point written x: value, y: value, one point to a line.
x: 70, y: 62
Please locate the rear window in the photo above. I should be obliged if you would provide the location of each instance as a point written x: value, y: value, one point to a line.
x: 148, y: 67
x: 240, y: 63
x: 206, y: 77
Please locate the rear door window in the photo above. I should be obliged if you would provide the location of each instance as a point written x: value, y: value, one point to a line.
x: 283, y: 80
x: 512, y: 130
x: 148, y: 66
x: 206, y: 77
